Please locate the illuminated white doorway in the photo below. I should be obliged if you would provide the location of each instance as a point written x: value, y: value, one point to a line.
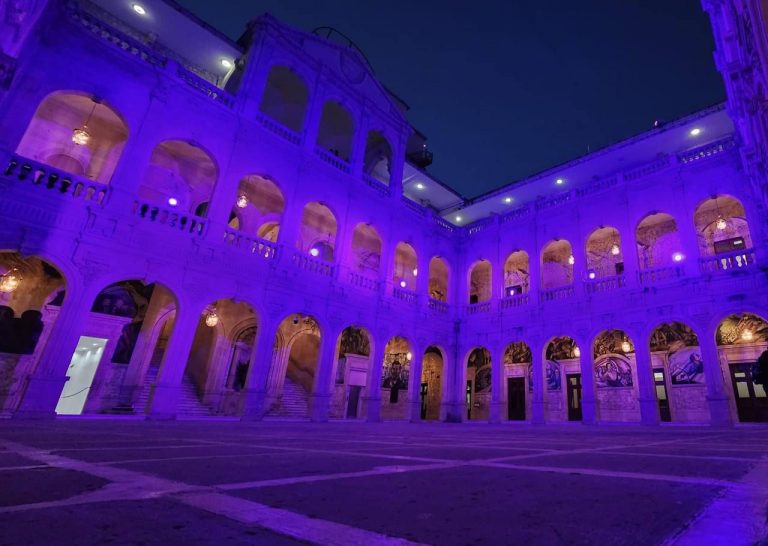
x: 82, y: 368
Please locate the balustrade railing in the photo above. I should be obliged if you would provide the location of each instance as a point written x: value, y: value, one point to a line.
x: 708, y: 150
x: 402, y: 294
x: 313, y: 265
x: 56, y: 181
x: 439, y: 306
x: 481, y: 307
x: 332, y: 159
x: 205, y: 87
x: 188, y: 223
x: 604, y: 284
x: 510, y: 302
x: 559, y: 293
x: 250, y: 244
x: 731, y: 261
x: 279, y: 129
x: 361, y: 281
x: 377, y: 185
x: 658, y: 275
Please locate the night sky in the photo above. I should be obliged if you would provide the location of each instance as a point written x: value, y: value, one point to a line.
x: 506, y: 88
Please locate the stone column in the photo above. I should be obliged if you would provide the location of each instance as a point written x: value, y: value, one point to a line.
x: 538, y: 416
x: 261, y: 361
x: 396, y: 169
x: 646, y: 390
x: 374, y: 382
x: 717, y: 399
x: 44, y: 386
x: 290, y: 226
x: 359, y: 143
x: 165, y: 392
x: 497, y: 385
x: 588, y: 395
x: 320, y: 399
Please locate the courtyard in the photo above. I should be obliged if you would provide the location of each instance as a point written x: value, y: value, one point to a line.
x: 281, y: 482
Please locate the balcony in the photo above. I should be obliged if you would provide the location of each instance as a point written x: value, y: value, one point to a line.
x: 559, y: 293
x: 408, y: 296
x: 187, y: 223
x: 605, y: 284
x: 250, y: 245
x: 731, y: 261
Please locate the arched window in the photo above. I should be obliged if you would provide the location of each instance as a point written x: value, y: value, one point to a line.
x: 317, y: 235
x: 366, y: 250
x: 75, y: 133
x: 285, y: 98
x: 336, y: 130
x: 480, y: 282
x: 557, y: 262
x: 378, y: 157
x: 516, y: 270
x: 406, y: 266
x: 658, y: 241
x: 604, y: 255
x: 258, y: 207
x: 180, y: 175
x: 722, y: 230
x: 438, y: 279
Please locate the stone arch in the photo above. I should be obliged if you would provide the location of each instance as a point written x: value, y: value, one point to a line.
x: 285, y: 98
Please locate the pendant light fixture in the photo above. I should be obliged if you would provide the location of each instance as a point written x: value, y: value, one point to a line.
x: 80, y: 135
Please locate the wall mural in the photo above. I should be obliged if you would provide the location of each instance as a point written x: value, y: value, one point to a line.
x: 672, y: 335
x: 732, y: 329
x: 517, y: 352
x: 613, y: 370
x: 354, y: 341
x: 686, y: 366
x: 480, y: 359
x: 610, y: 342
x: 561, y: 348
x: 553, y: 378
x: 125, y: 299
x: 396, y: 371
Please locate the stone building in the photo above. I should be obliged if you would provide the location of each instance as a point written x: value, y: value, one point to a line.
x: 191, y: 226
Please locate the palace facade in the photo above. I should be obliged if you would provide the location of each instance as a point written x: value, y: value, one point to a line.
x: 195, y: 227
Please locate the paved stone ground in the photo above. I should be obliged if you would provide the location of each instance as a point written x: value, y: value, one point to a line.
x: 214, y: 482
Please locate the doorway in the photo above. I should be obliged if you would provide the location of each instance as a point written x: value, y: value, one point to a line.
x: 516, y: 398
x: 82, y: 369
x: 469, y: 399
x: 353, y: 401
x: 423, y: 398
x: 660, y: 383
x: 751, y: 400
x: 574, y: 396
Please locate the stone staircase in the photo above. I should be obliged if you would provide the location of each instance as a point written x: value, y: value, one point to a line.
x: 294, y: 402
x: 189, y: 403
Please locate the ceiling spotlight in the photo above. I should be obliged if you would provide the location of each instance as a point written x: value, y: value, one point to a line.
x: 139, y: 9
x: 226, y: 63
x: 173, y: 201
x: 559, y: 181
x: 695, y: 131
x: 458, y: 218
x: 419, y: 186
x: 507, y: 200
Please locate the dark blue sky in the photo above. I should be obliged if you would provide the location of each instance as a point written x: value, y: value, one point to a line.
x: 505, y: 88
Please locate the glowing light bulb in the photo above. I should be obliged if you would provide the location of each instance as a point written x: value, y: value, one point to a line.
x: 419, y: 186
x: 81, y: 136
x: 173, y: 201
x: 139, y: 9
x: 571, y: 260
x: 721, y: 223
x: 415, y: 271
x: 458, y: 218
x: 402, y: 284
x: 625, y: 346
x: 242, y: 201
x: 615, y: 250
x: 507, y: 200
x: 211, y: 319
x: 226, y: 63
x: 576, y: 352
x: 592, y: 275
x: 314, y: 252
x: 695, y: 131
x: 408, y: 355
x: 747, y: 335
x: 677, y: 256
x: 9, y: 282
x: 559, y: 181
x: 511, y: 291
